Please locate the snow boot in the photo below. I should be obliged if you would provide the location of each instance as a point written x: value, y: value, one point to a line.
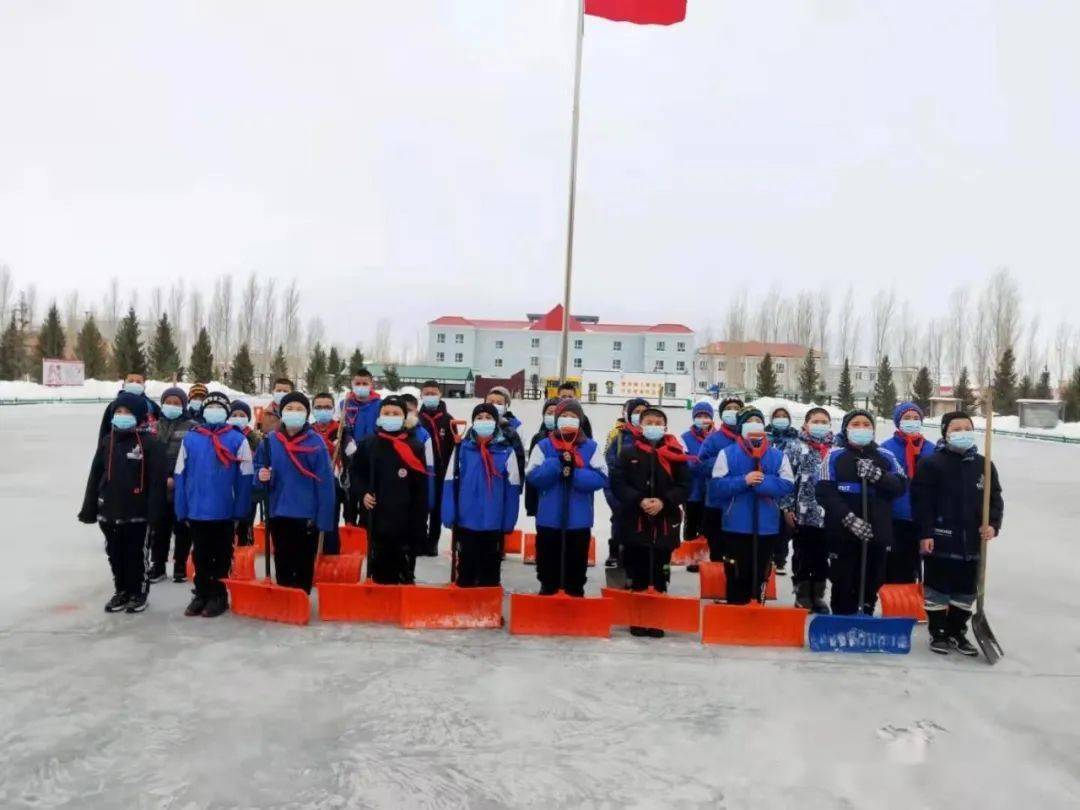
x: 611, y: 562
x: 137, y: 604
x: 157, y: 574
x: 820, y: 606
x: 655, y: 632
x: 215, y: 606
x: 118, y: 602
x: 640, y: 632
x: 196, y: 606
x: 939, y: 634
x: 957, y: 627
x: 693, y: 568
x: 803, y: 598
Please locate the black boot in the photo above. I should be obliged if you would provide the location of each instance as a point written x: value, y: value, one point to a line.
x: 802, y: 596
x: 639, y: 631
x: 215, y: 606
x: 137, y: 604
x: 957, y: 631
x: 196, y: 606
x: 820, y: 606
x: 118, y: 602
x: 693, y: 568
x: 939, y: 634
x: 157, y: 574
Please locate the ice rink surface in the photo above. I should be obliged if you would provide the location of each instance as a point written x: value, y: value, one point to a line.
x: 118, y: 711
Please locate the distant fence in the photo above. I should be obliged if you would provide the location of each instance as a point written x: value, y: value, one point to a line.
x: 59, y: 401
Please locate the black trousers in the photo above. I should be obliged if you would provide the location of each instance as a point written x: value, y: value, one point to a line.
x: 844, y: 567
x: 950, y: 582
x: 393, y: 558
x: 160, y: 537
x: 244, y: 535
x: 810, y: 561
x: 614, y: 543
x: 695, y: 512
x: 434, y: 528
x: 638, y: 575
x: 128, y: 548
x: 780, y: 552
x: 295, y: 543
x: 181, y: 547
x: 548, y: 559
x: 332, y: 539
x: 712, y: 526
x: 743, y: 584
x: 212, y: 542
x: 479, y: 558
x: 903, y: 564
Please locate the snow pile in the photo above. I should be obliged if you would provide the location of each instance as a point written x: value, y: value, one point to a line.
x: 99, y: 389
x: 769, y: 404
x: 1069, y: 430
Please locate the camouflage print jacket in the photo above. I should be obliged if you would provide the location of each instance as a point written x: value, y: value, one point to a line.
x: 806, y: 464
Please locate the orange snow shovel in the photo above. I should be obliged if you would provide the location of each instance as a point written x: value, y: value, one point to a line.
x: 712, y: 581
x: 336, y: 567
x: 691, y: 552
x: 561, y: 614
x: 353, y: 539
x: 902, y: 601
x: 266, y: 600
x: 512, y: 542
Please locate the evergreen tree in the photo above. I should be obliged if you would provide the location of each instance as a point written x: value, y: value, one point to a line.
x: 846, y: 394
x: 12, y: 352
x: 201, y: 367
x: 1071, y: 396
x: 884, y: 397
x: 51, y: 340
x: 1043, y: 390
x: 315, y: 376
x: 90, y: 348
x: 242, y: 374
x: 767, y: 385
x: 335, y: 368
x: 962, y: 391
x: 128, y: 355
x: 279, y: 366
x: 164, y: 356
x: 922, y: 389
x: 356, y: 362
x: 1004, y: 385
x: 808, y: 378
x: 1024, y: 388
x: 391, y: 378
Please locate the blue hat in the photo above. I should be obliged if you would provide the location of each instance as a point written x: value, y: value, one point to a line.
x: 136, y: 403
x: 703, y: 407
x: 240, y: 405
x: 179, y: 393
x: 903, y: 408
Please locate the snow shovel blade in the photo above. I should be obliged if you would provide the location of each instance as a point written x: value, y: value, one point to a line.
x: 528, y: 553
x: 512, y: 542
x: 451, y: 607
x: 243, y: 563
x: 650, y: 608
x: 345, y: 568
x: 353, y: 539
x: 754, y: 625
x: 269, y: 602
x: 360, y: 602
x: 189, y: 568
x: 690, y: 552
x: 591, y: 560
x: 902, y: 601
x: 712, y: 580
x: 258, y: 536
x: 560, y: 615
x: 985, y: 638
x: 861, y: 634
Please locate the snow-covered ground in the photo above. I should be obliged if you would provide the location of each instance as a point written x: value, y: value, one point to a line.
x: 161, y: 711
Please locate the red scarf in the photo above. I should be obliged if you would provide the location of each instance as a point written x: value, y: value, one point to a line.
x: 490, y: 472
x: 142, y: 460
x: 756, y: 452
x: 224, y: 455
x: 293, y: 445
x: 349, y: 414
x: 668, y: 451
x: 561, y: 446
x: 913, y: 445
x: 400, y: 443
x: 328, y: 432
x: 702, y: 435
x: 433, y: 429
x: 822, y: 448
x: 731, y: 434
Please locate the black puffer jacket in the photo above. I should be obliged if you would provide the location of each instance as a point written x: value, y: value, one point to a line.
x: 401, y: 493
x: 638, y: 475
x: 947, y: 497
x: 127, y: 480
x: 839, y: 491
x: 440, y: 425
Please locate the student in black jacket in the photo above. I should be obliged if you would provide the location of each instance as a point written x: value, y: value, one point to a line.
x: 134, y: 383
x: 568, y: 390
x: 389, y: 479
x: 174, y: 424
x: 125, y: 495
x: 440, y: 427
x: 947, y: 499
x: 651, y: 482
x: 855, y: 462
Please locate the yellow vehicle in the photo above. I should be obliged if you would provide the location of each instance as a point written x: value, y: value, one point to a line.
x: 551, y: 386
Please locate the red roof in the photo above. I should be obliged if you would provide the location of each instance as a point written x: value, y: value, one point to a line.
x: 754, y: 348
x: 552, y: 322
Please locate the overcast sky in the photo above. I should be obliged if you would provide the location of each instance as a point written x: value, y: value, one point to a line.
x: 410, y: 158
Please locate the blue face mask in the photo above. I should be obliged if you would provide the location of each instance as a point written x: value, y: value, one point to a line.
x: 195, y: 405
x: 780, y: 423
x: 549, y: 421
x: 911, y: 427
x: 215, y: 415
x: 635, y: 419
x: 860, y: 437
x: 278, y: 396
x: 729, y: 418
x: 653, y: 433
x: 484, y: 427
x: 171, y: 412
x: 501, y: 410
x: 430, y: 402
x: 294, y: 419
x: 962, y: 440
x: 819, y: 431
x: 123, y: 421
x: 238, y: 421
x: 362, y: 391
x: 753, y: 430
x: 391, y: 424
x: 701, y: 423
x: 323, y: 415
x: 138, y: 389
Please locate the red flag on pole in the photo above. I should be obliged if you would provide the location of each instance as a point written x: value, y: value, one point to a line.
x: 642, y: 12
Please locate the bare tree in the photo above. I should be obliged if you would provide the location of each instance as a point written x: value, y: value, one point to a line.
x: 7, y: 291
x: 249, y: 305
x: 290, y: 322
x: 982, y: 345
x: 221, y: 318
x: 823, y: 309
x: 735, y: 317
x: 906, y: 336
x: 882, y: 311
x: 176, y: 317
x: 1033, y: 355
x: 196, y: 319
x: 110, y: 307
x: 767, y: 322
x: 1063, y: 342
x: 802, y: 319
x: 1001, y: 299
x: 157, y: 305
x: 266, y: 337
x: 316, y: 333
x: 957, y: 337
x: 72, y: 315
x: 847, y: 328
x: 934, y: 348
x: 380, y: 349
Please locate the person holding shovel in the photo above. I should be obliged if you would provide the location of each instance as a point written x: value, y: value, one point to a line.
x: 947, y: 498
x: 749, y: 479
x: 293, y: 467
x: 330, y: 430
x: 651, y: 483
x: 857, y: 462
x: 567, y: 468
x: 546, y: 427
x: 902, y: 565
x: 719, y: 439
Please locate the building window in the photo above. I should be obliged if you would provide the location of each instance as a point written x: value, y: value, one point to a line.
x: 609, y: 386
x: 440, y: 337
x: 680, y: 365
x: 780, y: 367
x: 498, y: 344
x: 659, y: 365
x: 873, y: 376
x: 858, y: 375
x: 669, y: 389
x: 616, y: 364
x: 534, y: 361
x: 440, y: 357
x: 616, y: 346
x: 459, y: 358
x: 720, y: 365
x: 577, y: 362
x: 703, y: 364
x: 578, y: 343
x: 661, y: 346
x: 498, y: 362
x: 680, y: 346
x: 459, y: 338
x: 535, y: 343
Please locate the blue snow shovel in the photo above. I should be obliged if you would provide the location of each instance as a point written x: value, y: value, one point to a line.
x: 861, y: 633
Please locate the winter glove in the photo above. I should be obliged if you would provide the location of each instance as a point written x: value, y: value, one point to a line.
x: 858, y: 527
x: 85, y: 517
x: 868, y: 470
x: 567, y: 462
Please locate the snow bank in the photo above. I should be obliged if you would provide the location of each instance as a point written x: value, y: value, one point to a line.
x: 1011, y: 424
x: 769, y: 404
x: 99, y: 389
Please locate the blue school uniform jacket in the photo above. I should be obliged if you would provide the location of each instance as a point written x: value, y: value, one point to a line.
x: 716, y: 443
x: 206, y: 489
x: 360, y: 417
x: 473, y: 502
x: 901, y: 507
x: 692, y: 440
x: 293, y: 494
x: 738, y: 499
x: 544, y: 471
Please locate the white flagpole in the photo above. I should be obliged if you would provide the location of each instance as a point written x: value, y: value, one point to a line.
x: 573, y: 191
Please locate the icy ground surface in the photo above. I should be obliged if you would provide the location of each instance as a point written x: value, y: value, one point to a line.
x: 161, y: 711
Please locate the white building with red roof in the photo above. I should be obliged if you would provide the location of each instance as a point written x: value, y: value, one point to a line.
x: 500, y: 348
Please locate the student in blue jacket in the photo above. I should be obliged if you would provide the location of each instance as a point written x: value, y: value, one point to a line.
x: 749, y: 478
x: 212, y: 490
x: 692, y: 440
x: 903, y: 564
x: 480, y: 499
x: 567, y: 469
x: 293, y: 466
x: 360, y: 407
x: 723, y: 435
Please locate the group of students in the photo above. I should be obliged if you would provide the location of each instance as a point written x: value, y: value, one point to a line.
x: 194, y: 467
